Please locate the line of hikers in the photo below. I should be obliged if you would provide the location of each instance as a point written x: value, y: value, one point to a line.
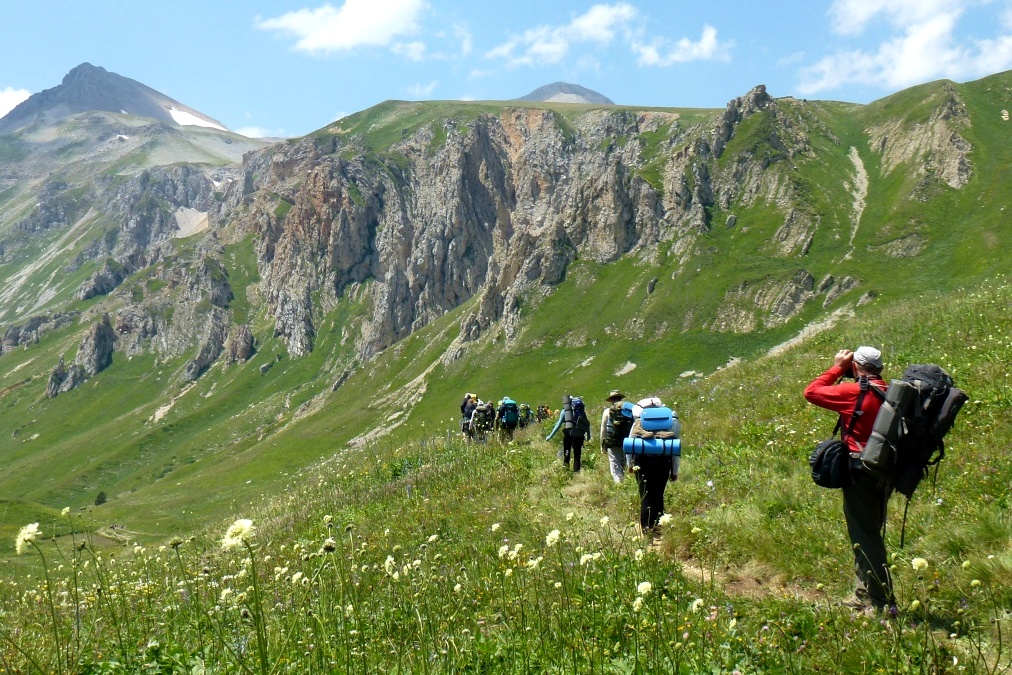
x: 643, y: 437
x: 481, y: 418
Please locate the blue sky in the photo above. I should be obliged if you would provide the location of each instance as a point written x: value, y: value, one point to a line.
x: 285, y: 68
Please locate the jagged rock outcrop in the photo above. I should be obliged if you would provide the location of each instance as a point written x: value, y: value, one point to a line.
x: 93, y: 356
x: 104, y: 280
x: 935, y: 146
x: 240, y: 346
x: 35, y: 328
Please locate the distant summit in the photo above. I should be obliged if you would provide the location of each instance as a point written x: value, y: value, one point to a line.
x: 564, y: 92
x: 88, y: 87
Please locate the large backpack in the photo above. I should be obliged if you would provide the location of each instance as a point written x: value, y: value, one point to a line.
x: 909, y: 429
x: 907, y: 438
x: 581, y: 423
x: 510, y: 413
x: 617, y: 425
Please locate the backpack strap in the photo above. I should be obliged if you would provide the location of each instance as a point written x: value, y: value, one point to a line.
x: 865, y: 387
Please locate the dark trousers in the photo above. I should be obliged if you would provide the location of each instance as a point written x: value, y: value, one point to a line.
x: 864, y: 507
x: 652, y: 478
x: 574, y: 444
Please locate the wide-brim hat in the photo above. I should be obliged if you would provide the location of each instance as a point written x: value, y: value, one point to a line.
x: 614, y: 396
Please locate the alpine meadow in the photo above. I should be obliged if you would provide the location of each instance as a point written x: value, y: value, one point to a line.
x: 230, y: 373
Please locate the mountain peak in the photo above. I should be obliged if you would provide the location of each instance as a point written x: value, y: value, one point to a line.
x: 564, y: 92
x: 87, y: 87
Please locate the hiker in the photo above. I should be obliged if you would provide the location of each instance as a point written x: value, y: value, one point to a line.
x: 467, y: 407
x: 575, y: 429
x: 616, y: 421
x: 865, y: 499
x: 481, y: 420
x: 653, y: 471
x: 507, y: 417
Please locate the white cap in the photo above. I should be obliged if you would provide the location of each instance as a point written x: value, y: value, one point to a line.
x: 868, y: 357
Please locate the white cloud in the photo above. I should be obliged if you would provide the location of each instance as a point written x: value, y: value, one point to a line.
x: 707, y: 48
x: 546, y: 45
x: 357, y: 23
x: 466, y: 38
x: 414, y: 51
x: 923, y: 45
x: 422, y: 90
x: 253, y: 132
x: 10, y: 97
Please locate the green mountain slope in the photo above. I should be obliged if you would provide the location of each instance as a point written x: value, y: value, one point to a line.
x: 809, y: 210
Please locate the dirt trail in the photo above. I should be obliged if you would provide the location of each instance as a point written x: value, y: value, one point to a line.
x: 859, y: 190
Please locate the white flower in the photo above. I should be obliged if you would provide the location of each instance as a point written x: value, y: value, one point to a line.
x: 27, y: 534
x: 644, y: 588
x: 919, y: 564
x: 696, y: 530
x: 533, y: 563
x: 239, y: 532
x: 456, y: 589
x: 508, y: 572
x: 966, y: 564
x: 586, y: 558
x: 433, y: 538
x: 389, y: 565
x: 605, y: 520
x: 65, y: 511
x: 975, y: 583
x: 638, y: 555
x: 569, y: 516
x: 495, y: 526
x: 296, y: 577
x: 558, y: 584
x: 504, y: 550
x: 696, y: 605
x: 553, y: 538
x: 637, y: 604
x: 665, y: 519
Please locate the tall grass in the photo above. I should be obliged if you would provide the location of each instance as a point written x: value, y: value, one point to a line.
x: 442, y: 556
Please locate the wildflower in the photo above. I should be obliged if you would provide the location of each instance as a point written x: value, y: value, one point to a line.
x: 433, y: 538
x: 696, y: 530
x: 65, y: 512
x: 586, y: 558
x: 176, y: 542
x: 915, y: 604
x: 240, y: 532
x: 456, y: 589
x: 605, y: 520
x: 388, y: 566
x: 534, y: 562
x: 638, y: 555
x: 516, y: 551
x: 569, y: 516
x: 966, y: 564
x: 665, y: 520
x: 975, y: 583
x: 329, y: 545
x: 225, y: 592
x: 27, y: 534
x: 504, y: 550
x: 495, y: 526
x: 296, y: 577
x: 644, y: 588
x: 509, y: 572
x: 696, y: 605
x: 552, y: 539
x: 637, y: 604
x: 328, y: 519
x: 558, y: 584
x: 919, y: 564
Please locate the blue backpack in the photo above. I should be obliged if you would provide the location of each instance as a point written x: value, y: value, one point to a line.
x: 510, y: 413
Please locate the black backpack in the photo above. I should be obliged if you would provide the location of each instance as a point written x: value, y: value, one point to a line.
x: 932, y: 412
x: 618, y: 425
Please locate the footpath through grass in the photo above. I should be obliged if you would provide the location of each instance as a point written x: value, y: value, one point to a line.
x: 438, y: 556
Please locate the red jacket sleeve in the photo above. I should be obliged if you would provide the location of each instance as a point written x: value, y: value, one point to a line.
x: 825, y: 393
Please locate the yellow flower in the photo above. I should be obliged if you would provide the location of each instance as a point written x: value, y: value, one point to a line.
x: 27, y: 534
x: 65, y: 511
x: 919, y: 564
x: 240, y: 531
x: 495, y: 526
x: 975, y: 583
x: 915, y: 604
x: 637, y: 604
x: 644, y: 588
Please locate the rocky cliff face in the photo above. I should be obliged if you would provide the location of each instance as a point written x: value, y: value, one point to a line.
x: 498, y: 207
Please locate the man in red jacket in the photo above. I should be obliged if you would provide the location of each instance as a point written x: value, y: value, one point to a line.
x: 864, y: 501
